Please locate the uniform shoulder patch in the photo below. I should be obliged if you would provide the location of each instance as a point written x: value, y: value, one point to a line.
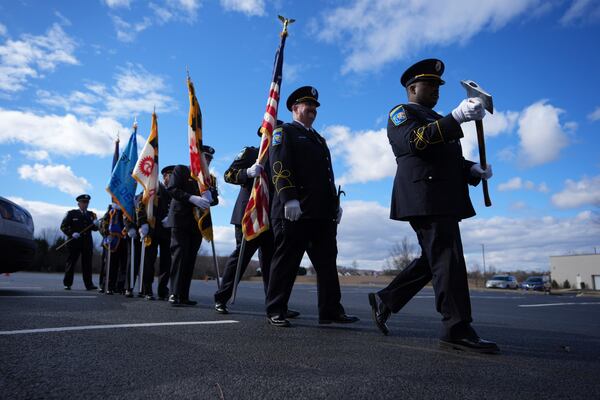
x: 277, y: 136
x: 398, y: 115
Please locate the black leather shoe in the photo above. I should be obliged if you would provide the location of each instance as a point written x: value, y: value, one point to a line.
x: 221, y: 308
x: 292, y: 314
x: 91, y: 288
x: 100, y: 290
x: 149, y: 297
x: 278, y: 321
x: 174, y: 301
x: 109, y: 292
x: 163, y: 298
x: 128, y: 293
x: 475, y: 345
x: 67, y: 287
x: 188, y: 302
x: 340, y: 319
x: 380, y: 313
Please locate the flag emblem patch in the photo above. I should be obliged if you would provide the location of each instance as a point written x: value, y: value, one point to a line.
x: 277, y: 136
x: 398, y: 115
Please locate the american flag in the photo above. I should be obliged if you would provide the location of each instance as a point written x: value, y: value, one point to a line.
x: 256, y: 215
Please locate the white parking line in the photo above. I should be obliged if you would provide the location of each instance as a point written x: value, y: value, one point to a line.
x: 47, y: 297
x: 90, y: 327
x: 559, y: 304
x: 21, y: 287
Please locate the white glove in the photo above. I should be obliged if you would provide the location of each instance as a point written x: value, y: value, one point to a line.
x: 97, y: 222
x: 479, y: 172
x: 76, y: 235
x: 200, y: 202
x: 164, y: 220
x: 291, y: 210
x: 144, y: 229
x: 339, y: 215
x: 132, y: 233
x: 468, y: 110
x: 254, y: 170
x: 207, y: 196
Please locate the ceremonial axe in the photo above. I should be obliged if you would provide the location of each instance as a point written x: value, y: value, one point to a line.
x: 474, y: 90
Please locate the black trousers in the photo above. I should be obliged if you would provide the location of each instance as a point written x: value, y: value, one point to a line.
x: 184, y: 248
x: 318, y: 239
x: 441, y: 262
x: 162, y: 240
x: 79, y: 247
x: 264, y: 245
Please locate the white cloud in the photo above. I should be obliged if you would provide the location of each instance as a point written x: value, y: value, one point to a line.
x: 367, y: 154
x: 37, y: 155
x: 493, y: 124
x: 248, y: 7
x: 4, y: 160
x: 594, y: 115
x: 117, y: 3
x: 517, y: 183
x: 581, y: 11
x: 32, y: 55
x: 366, y: 234
x: 291, y: 72
x: 135, y: 91
x: 3, y: 30
x: 64, y: 135
x: 578, y: 194
x: 127, y: 32
x: 376, y: 33
x: 542, y: 136
x: 55, y: 176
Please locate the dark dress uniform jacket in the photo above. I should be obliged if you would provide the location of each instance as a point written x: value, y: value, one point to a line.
x: 432, y: 174
x: 76, y: 221
x: 236, y: 174
x: 181, y: 187
x: 160, y: 211
x: 298, y: 163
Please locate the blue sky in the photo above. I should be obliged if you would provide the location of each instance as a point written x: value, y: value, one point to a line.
x: 74, y: 74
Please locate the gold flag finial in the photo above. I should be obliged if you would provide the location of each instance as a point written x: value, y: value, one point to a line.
x: 285, y: 22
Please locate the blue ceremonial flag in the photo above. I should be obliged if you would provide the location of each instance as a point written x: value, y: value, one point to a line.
x: 122, y: 185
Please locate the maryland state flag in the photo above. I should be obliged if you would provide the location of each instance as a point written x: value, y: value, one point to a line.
x: 146, y: 172
x: 198, y: 165
x: 256, y: 215
x: 122, y: 185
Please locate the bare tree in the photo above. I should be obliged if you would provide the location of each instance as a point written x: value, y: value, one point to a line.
x: 401, y: 255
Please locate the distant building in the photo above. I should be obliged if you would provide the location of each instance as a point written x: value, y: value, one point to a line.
x: 577, y: 269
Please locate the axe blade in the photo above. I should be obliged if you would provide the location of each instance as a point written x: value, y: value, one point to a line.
x: 474, y: 90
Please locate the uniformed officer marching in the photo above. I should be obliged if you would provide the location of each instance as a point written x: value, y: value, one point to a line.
x: 242, y: 172
x: 185, y: 235
x: 431, y: 193
x: 160, y: 235
x: 77, y: 225
x: 305, y: 212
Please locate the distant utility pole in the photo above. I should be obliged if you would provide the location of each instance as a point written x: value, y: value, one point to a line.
x: 483, y: 256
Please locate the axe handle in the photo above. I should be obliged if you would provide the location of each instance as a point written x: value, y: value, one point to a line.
x: 482, y: 161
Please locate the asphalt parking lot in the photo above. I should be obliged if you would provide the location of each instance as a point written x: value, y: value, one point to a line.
x: 79, y: 344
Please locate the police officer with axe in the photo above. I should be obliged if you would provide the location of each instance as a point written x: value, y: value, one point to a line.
x: 431, y: 193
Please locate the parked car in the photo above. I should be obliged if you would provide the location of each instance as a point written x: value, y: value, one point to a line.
x: 16, y: 237
x: 502, y: 282
x: 536, y: 283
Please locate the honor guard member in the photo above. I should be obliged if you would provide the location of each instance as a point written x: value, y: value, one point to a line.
x: 305, y: 212
x: 431, y: 193
x: 115, y: 235
x: 158, y: 236
x: 185, y: 234
x: 242, y: 172
x: 78, y: 225
x: 131, y: 227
